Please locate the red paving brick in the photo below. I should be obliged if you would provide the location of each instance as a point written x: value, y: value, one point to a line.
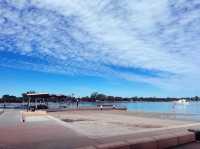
x: 166, y: 141
x: 36, y: 135
x: 194, y: 145
x: 142, y: 143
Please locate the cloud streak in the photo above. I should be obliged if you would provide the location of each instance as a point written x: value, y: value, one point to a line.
x: 87, y: 37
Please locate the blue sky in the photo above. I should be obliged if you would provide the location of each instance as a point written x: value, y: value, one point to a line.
x: 122, y: 48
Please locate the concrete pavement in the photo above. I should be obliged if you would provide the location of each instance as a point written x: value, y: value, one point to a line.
x: 10, y: 118
x: 195, y: 145
x: 45, y: 132
x: 48, y: 134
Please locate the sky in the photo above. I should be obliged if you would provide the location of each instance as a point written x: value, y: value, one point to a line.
x: 121, y: 48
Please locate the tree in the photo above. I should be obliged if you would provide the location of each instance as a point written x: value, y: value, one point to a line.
x: 8, y: 98
x: 94, y: 95
x: 101, y: 97
x: 24, y: 97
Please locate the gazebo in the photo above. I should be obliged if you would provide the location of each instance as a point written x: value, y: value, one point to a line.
x: 35, y: 97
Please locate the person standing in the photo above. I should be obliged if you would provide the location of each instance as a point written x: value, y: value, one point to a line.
x: 77, y: 103
x: 4, y: 106
x: 101, y: 107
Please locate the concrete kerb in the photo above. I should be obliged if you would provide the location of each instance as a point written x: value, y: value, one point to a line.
x: 154, y: 142
x: 114, y: 145
x: 35, y: 113
x: 87, y: 147
x: 25, y: 114
x: 166, y: 141
x: 185, y: 137
x: 142, y: 143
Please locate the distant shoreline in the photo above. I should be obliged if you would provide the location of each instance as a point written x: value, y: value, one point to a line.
x: 125, y: 101
x: 94, y: 97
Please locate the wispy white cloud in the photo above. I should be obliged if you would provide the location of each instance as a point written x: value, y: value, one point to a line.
x: 87, y: 37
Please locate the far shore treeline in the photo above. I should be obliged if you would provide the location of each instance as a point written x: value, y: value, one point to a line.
x: 94, y: 97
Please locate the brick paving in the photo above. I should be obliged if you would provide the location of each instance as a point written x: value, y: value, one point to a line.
x: 15, y: 134
x: 194, y: 145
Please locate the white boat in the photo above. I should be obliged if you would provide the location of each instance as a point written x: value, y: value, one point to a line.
x: 182, y: 101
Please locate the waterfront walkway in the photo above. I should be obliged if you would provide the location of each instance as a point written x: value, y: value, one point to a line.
x: 41, y: 133
x: 10, y: 118
x: 195, y: 145
x: 46, y: 132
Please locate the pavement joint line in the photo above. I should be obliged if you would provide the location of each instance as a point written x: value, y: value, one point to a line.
x: 21, y: 117
x: 138, y: 131
x: 168, y: 128
x: 64, y: 124
x: 58, y: 120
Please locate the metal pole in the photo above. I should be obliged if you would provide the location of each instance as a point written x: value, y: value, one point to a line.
x: 47, y: 103
x: 35, y: 103
x: 28, y: 105
x: 4, y: 106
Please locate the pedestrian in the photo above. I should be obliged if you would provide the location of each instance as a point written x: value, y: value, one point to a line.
x: 101, y: 107
x: 4, y: 106
x: 77, y: 102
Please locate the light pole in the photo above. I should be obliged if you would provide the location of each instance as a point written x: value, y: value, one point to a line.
x: 4, y: 104
x: 28, y: 105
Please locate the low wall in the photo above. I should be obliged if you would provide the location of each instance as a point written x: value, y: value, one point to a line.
x: 35, y: 113
x: 85, y: 108
x: 154, y: 142
x: 24, y: 114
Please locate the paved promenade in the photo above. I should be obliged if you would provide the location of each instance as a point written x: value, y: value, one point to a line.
x: 10, y: 118
x: 38, y: 134
x: 46, y: 132
x: 189, y: 146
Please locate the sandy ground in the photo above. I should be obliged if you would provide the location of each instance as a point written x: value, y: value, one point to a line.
x: 97, y: 124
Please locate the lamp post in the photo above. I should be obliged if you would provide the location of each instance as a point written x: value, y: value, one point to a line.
x: 4, y: 105
x: 28, y: 105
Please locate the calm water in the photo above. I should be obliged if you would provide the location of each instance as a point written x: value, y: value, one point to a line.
x: 189, y: 111
x: 168, y: 107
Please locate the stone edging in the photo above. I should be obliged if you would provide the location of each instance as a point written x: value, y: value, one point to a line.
x: 154, y: 142
x: 24, y: 114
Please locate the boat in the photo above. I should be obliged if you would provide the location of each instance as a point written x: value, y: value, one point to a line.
x: 182, y: 101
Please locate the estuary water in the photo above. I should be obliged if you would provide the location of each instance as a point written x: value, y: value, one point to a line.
x: 173, y: 110
x: 166, y: 107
